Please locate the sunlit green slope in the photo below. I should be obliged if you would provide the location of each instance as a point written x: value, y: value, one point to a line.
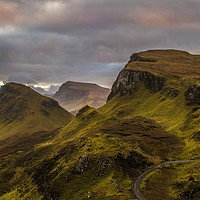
x: 152, y: 115
x: 26, y: 116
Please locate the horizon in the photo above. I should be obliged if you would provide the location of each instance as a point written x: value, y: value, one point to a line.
x: 48, y: 42
x: 47, y: 87
x: 100, y: 99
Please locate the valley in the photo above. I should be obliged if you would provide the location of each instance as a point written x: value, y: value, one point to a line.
x: 151, y: 116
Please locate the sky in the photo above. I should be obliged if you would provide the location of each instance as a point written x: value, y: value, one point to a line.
x: 45, y: 42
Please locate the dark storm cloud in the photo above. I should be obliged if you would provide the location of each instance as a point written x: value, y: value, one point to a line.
x: 89, y: 40
x: 21, y: 78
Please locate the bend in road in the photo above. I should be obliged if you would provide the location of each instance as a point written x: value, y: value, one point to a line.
x: 142, y: 176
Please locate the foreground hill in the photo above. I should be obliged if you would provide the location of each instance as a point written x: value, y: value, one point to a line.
x: 151, y: 116
x: 164, y: 85
x: 74, y: 95
x: 27, y: 116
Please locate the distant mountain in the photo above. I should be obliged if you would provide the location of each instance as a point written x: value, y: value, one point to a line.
x: 152, y: 116
x: 38, y: 89
x: 49, y: 93
x: 74, y: 95
x: 27, y: 116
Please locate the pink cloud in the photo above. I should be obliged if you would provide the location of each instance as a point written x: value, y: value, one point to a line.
x: 8, y: 13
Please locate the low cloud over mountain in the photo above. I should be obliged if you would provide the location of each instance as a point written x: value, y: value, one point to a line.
x: 53, y: 41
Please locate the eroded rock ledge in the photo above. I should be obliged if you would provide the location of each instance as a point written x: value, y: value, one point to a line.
x: 192, y: 94
x: 135, y: 57
x: 132, y: 78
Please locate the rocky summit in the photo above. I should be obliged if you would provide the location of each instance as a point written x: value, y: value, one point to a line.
x: 154, y: 67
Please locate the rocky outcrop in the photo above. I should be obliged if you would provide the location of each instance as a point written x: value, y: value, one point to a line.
x: 82, y: 110
x: 130, y: 164
x: 82, y: 164
x: 50, y: 103
x: 192, y: 94
x: 170, y: 92
x: 88, y: 113
x: 136, y: 57
x: 132, y: 78
x: 191, y: 189
x: 8, y: 89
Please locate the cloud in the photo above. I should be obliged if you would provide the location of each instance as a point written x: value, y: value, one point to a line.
x: 24, y: 78
x: 67, y: 16
x: 8, y: 13
x: 52, y: 41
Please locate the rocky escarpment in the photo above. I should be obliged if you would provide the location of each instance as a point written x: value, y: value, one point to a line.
x: 192, y: 94
x: 50, y: 103
x: 132, y: 78
x: 8, y: 89
x: 69, y: 93
x: 136, y: 57
x: 92, y: 167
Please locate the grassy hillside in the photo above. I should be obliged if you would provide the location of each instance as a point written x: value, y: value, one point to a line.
x: 168, y: 63
x: 27, y: 116
x: 178, y: 114
x: 152, y: 116
x: 95, y: 155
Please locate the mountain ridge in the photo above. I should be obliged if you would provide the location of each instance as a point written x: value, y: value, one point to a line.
x: 25, y: 113
x: 74, y: 95
x: 151, y: 117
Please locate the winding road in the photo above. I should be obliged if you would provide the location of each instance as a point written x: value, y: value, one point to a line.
x: 142, y: 176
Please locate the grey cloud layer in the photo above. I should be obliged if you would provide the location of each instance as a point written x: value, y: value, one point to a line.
x: 89, y: 40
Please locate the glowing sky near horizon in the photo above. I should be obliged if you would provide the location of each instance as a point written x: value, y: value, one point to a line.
x: 45, y: 42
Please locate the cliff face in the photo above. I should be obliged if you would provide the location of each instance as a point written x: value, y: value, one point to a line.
x: 132, y: 78
x: 154, y: 68
x: 107, y: 149
x: 192, y: 94
x: 69, y: 93
x: 135, y: 57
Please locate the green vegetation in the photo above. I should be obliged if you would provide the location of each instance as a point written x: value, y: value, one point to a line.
x: 24, y: 109
x: 156, y: 185
x: 169, y: 63
x: 27, y: 118
x: 100, y: 153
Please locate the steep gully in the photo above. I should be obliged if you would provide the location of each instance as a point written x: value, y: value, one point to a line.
x: 137, y: 190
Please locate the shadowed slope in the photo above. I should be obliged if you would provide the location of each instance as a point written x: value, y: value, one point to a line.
x: 27, y: 117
